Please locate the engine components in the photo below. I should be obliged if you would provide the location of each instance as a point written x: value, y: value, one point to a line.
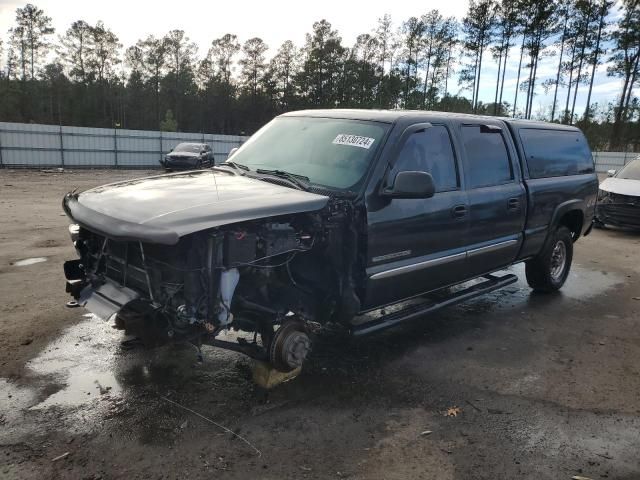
x: 239, y: 248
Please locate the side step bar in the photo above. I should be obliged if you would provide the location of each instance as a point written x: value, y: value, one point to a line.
x: 491, y: 283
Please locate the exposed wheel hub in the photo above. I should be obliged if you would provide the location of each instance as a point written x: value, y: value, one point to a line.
x: 289, y: 347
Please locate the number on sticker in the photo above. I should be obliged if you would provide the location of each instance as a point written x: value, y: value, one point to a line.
x: 353, y: 140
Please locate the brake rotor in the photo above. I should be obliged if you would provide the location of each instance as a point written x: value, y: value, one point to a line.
x: 289, y: 347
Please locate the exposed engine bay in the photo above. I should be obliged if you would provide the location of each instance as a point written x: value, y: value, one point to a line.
x: 278, y: 278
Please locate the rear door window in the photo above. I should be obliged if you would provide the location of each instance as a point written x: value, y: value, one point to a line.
x: 555, y: 153
x: 430, y: 151
x: 487, y: 159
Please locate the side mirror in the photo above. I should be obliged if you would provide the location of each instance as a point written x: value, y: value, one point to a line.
x: 611, y: 173
x: 232, y: 151
x: 411, y: 185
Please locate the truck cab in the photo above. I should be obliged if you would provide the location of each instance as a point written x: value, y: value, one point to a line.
x: 490, y: 209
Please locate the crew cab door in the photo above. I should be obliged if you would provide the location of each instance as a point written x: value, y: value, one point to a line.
x: 496, y: 197
x: 417, y: 245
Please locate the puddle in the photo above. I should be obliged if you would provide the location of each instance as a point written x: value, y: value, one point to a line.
x: 584, y: 283
x: 29, y: 261
x: 83, y: 384
x: 581, y: 284
x: 82, y: 362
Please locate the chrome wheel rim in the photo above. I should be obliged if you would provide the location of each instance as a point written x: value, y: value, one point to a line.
x: 558, y: 260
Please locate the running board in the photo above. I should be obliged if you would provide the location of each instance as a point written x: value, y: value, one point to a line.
x: 491, y: 283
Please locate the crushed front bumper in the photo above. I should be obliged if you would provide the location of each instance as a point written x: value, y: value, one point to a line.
x: 102, y: 300
x: 619, y: 214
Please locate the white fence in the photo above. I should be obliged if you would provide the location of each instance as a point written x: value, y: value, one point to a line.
x: 43, y: 146
x: 613, y: 160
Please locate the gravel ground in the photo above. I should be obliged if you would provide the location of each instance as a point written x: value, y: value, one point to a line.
x: 510, y: 385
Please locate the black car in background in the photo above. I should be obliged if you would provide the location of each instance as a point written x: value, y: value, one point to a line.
x: 619, y: 198
x: 188, y: 156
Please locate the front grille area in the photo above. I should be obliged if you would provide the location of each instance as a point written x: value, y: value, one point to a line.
x: 629, y: 199
x: 124, y: 265
x: 181, y: 160
x: 620, y: 214
x: 149, y: 269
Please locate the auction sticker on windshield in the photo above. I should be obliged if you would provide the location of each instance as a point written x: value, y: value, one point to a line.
x: 354, y: 141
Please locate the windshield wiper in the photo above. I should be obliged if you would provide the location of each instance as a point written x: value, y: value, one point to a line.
x: 236, y: 165
x: 300, y: 181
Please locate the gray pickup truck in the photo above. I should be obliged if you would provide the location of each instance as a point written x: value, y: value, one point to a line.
x: 332, y: 216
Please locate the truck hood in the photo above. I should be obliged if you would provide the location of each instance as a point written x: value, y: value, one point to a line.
x: 163, y: 208
x: 621, y: 186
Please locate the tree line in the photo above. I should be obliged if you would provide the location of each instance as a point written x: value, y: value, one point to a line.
x: 84, y: 76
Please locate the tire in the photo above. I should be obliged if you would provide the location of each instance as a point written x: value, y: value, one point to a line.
x: 549, y: 270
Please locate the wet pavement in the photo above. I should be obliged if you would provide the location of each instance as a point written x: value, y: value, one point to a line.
x: 359, y: 407
x: 543, y: 386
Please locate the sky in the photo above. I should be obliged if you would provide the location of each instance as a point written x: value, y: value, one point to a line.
x: 278, y: 20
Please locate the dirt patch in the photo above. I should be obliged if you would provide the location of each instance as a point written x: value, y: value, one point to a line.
x: 32, y: 297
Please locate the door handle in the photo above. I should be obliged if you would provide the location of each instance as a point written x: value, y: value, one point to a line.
x: 459, y: 211
x: 513, y: 204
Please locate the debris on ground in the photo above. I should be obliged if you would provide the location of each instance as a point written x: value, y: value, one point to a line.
x: 60, y: 457
x: 266, y: 376
x: 477, y: 409
x: 452, y: 411
x: 221, y: 427
x: 425, y: 433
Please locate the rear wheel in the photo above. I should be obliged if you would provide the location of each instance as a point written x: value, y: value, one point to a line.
x: 548, y: 271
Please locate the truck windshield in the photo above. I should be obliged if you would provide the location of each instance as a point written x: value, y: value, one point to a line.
x: 631, y: 171
x: 330, y: 152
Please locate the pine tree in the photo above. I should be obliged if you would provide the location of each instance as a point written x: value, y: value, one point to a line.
x: 30, y: 37
x: 542, y: 23
x: 75, y: 48
x: 253, y: 63
x: 323, y: 65
x: 506, y: 23
x: 477, y: 27
x: 625, y: 63
x: 597, y: 52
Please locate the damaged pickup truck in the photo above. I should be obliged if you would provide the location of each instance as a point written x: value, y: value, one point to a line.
x: 361, y: 218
